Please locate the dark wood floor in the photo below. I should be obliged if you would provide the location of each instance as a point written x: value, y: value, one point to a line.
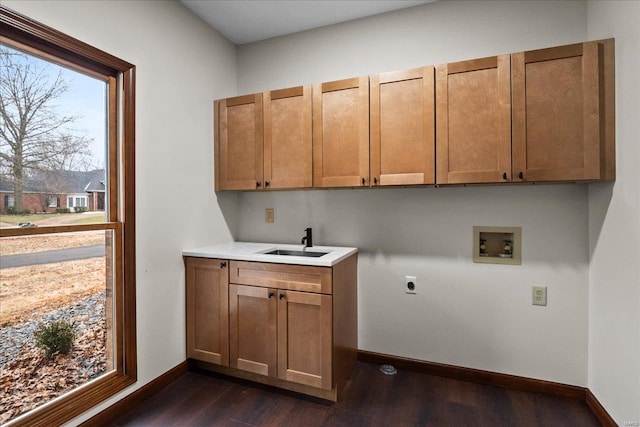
x: 370, y: 399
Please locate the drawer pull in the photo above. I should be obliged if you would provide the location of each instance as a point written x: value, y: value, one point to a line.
x: 281, y: 296
x: 223, y: 264
x: 271, y: 294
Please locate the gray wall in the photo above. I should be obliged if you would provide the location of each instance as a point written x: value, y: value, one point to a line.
x: 465, y: 314
x: 614, y: 229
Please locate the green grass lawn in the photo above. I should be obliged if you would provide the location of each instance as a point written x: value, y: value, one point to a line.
x: 36, y: 218
x: 88, y: 219
x: 17, y: 219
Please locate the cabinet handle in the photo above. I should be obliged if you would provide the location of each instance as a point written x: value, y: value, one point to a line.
x: 271, y: 294
x: 504, y: 175
x: 266, y: 184
x: 281, y: 296
x: 375, y: 180
x: 257, y: 184
x: 223, y: 264
x: 363, y: 181
x: 521, y: 175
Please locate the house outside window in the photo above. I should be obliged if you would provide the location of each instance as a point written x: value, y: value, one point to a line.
x: 53, y: 202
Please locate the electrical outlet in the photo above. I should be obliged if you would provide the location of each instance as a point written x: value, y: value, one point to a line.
x: 269, y: 216
x: 539, y: 295
x: 410, y: 284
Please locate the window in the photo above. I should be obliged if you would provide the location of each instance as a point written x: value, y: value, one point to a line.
x: 77, y: 201
x: 9, y: 201
x: 114, y: 231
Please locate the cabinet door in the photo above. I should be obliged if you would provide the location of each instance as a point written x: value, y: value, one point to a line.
x: 304, y: 338
x: 287, y: 138
x: 239, y: 149
x: 402, y: 127
x: 252, y: 312
x: 473, y: 121
x: 557, y: 113
x: 341, y: 133
x: 207, y: 294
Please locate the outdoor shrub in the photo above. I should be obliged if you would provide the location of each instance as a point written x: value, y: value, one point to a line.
x: 56, y: 338
x: 11, y: 210
x: 80, y: 209
x: 62, y: 210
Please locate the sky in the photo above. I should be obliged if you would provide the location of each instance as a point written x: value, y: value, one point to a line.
x: 86, y: 98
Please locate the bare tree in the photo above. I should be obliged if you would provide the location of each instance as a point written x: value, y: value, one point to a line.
x: 34, y: 135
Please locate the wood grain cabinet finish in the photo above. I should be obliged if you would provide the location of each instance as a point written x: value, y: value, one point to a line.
x: 207, y: 295
x: 289, y: 326
x: 546, y: 115
x: 264, y: 141
x: 281, y: 334
x: 402, y: 134
x: 341, y: 133
x: 288, y: 139
x: 239, y: 149
x: 473, y: 128
x: 539, y: 116
x: 252, y: 326
x: 305, y: 338
x: 563, y: 113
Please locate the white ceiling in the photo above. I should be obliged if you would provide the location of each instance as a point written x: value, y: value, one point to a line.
x: 246, y: 21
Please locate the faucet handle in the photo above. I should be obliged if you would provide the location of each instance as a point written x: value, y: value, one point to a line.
x: 307, y: 239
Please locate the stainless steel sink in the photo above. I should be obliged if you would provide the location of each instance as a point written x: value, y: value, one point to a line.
x: 288, y: 252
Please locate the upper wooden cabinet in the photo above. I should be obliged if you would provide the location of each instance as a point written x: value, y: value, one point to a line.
x: 287, y: 138
x: 473, y: 130
x: 563, y: 113
x: 539, y: 116
x: 264, y: 141
x: 239, y: 133
x: 402, y: 127
x: 341, y: 133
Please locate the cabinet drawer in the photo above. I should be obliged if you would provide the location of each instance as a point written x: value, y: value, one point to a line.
x: 284, y: 276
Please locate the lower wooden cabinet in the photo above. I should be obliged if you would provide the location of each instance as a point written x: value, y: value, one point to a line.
x: 289, y: 326
x: 281, y: 334
x: 252, y: 329
x: 207, y: 310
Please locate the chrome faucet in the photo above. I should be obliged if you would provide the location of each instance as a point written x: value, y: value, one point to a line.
x: 307, y: 239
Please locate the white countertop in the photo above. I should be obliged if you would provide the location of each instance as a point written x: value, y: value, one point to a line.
x: 244, y: 251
